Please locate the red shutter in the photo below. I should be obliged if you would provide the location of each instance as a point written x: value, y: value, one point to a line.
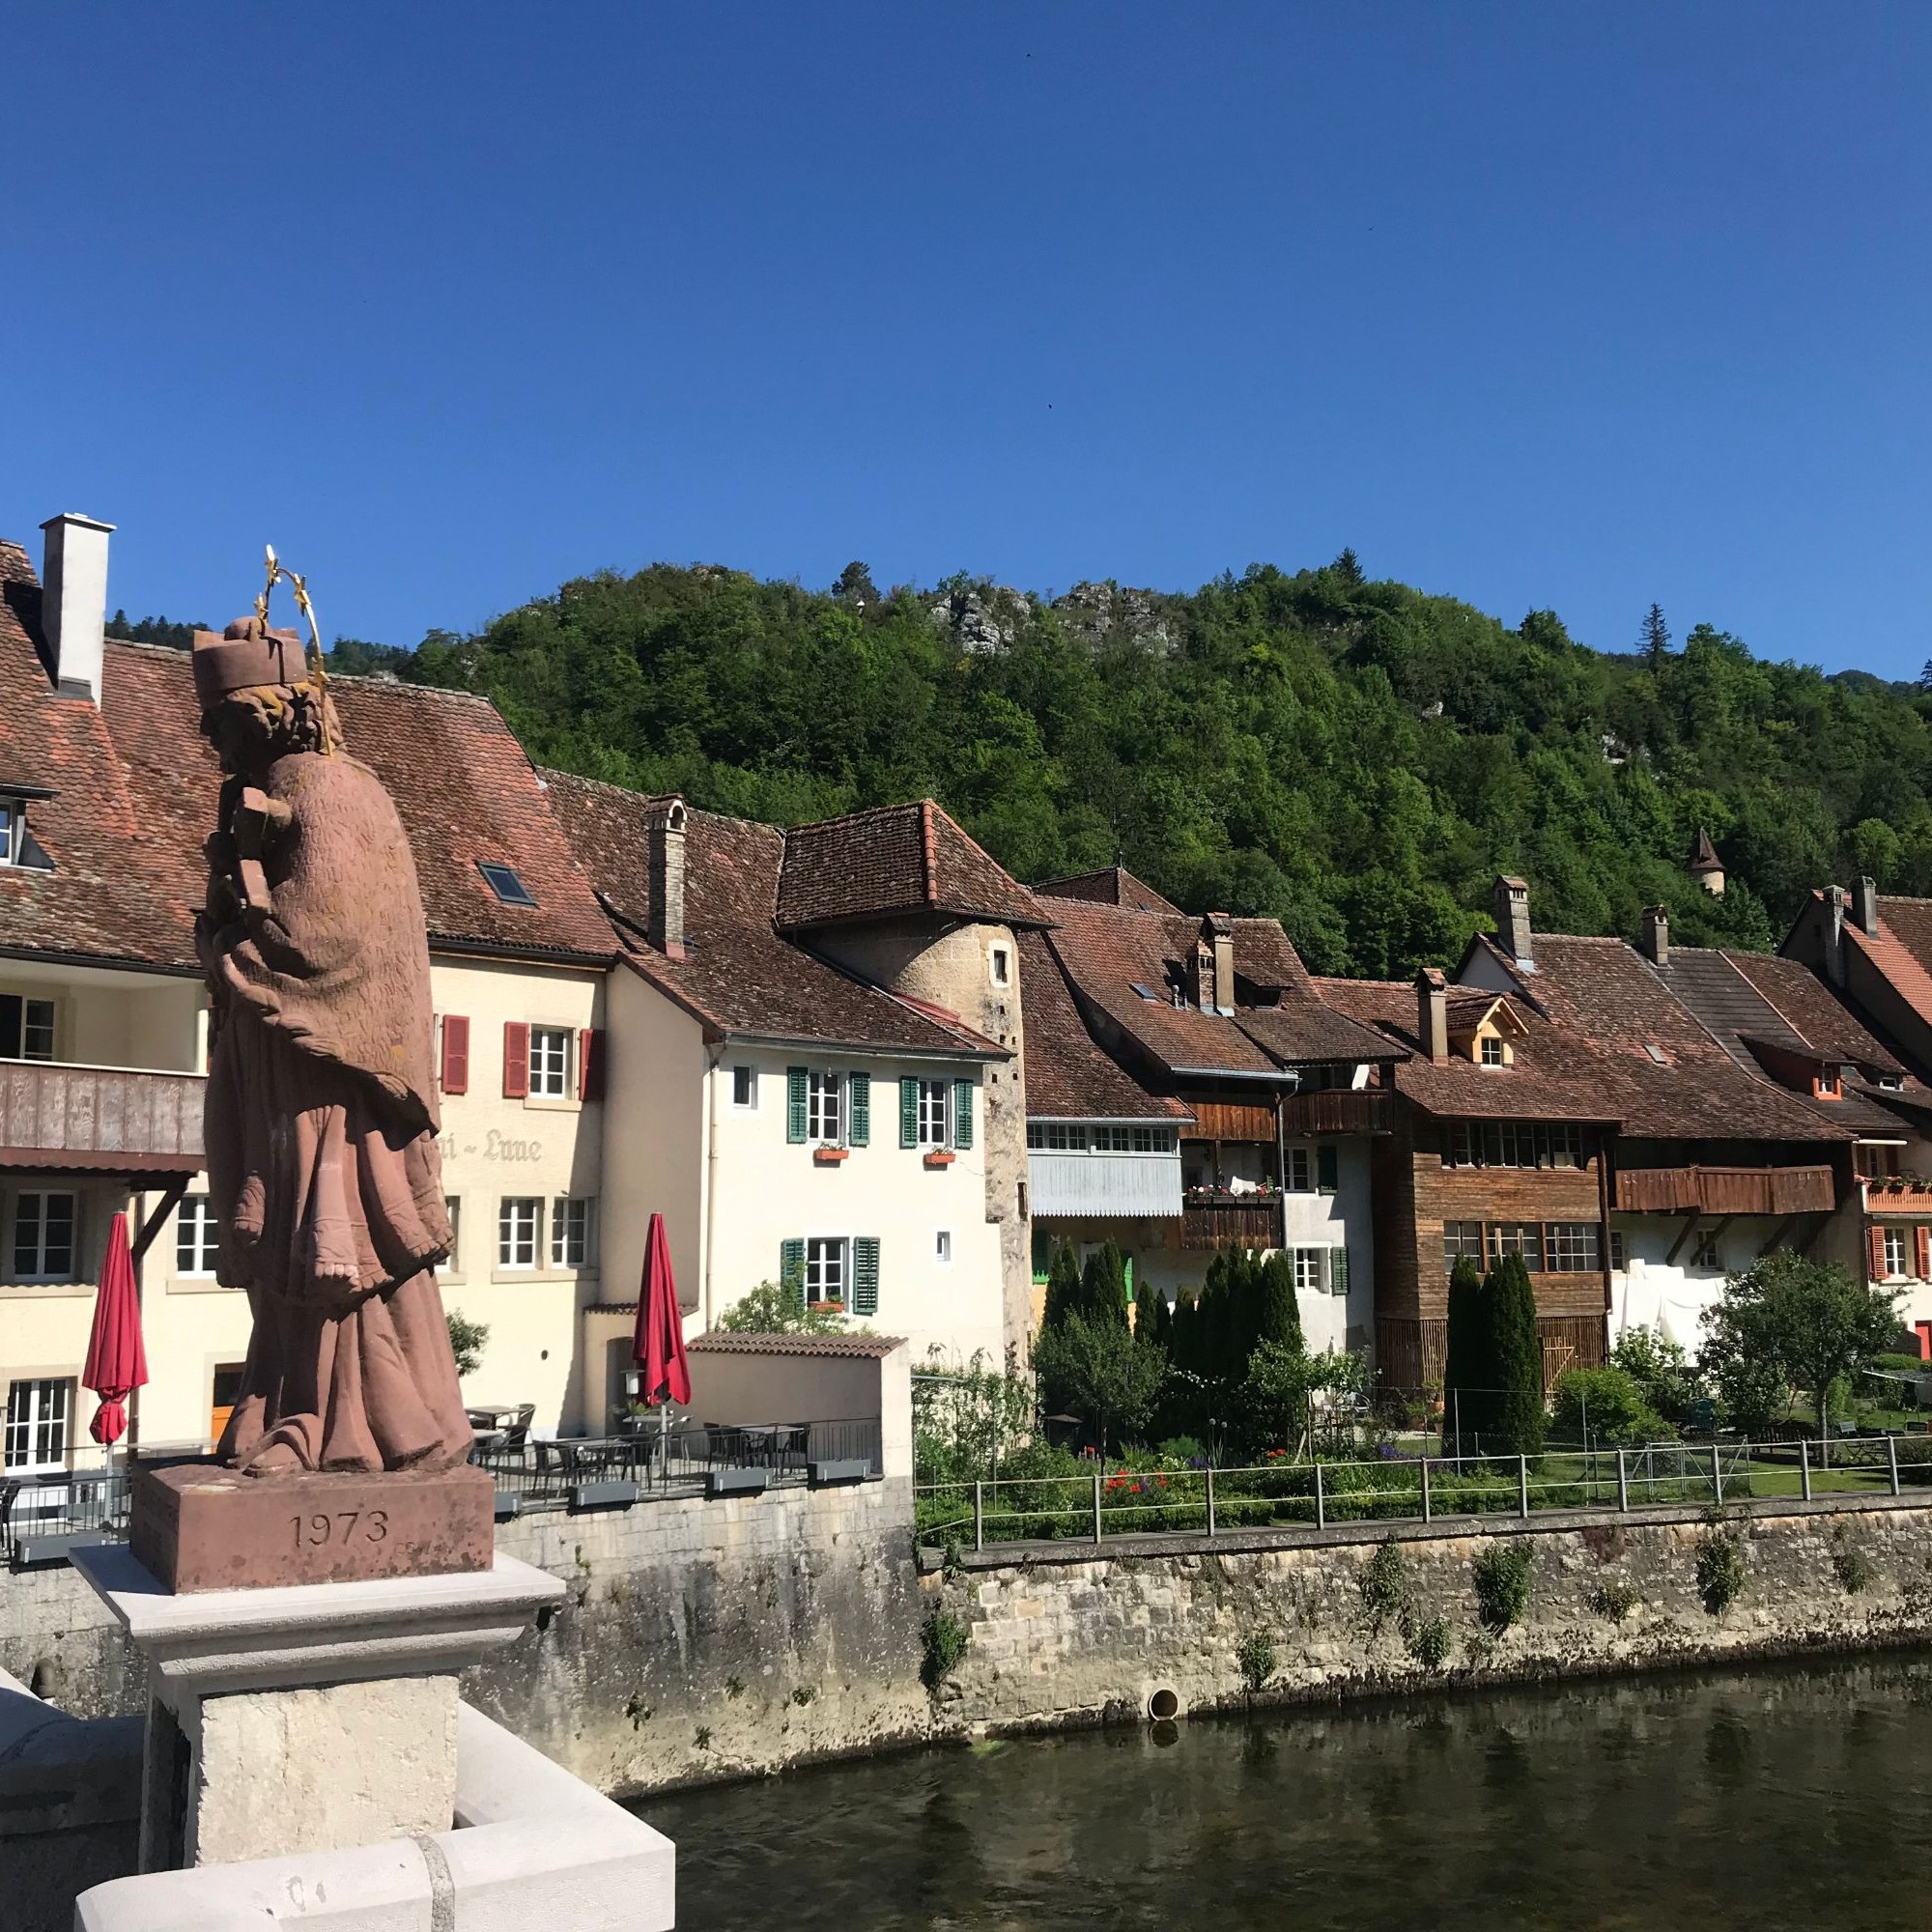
x: 1922, y: 1240
x: 1875, y: 1251
x: 516, y: 1059
x: 455, y: 1054
x: 591, y: 1064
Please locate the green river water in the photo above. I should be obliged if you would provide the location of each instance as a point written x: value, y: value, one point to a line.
x: 1779, y: 1797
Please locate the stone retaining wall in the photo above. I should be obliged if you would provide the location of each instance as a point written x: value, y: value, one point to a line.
x: 709, y: 1639
x: 1072, y: 1635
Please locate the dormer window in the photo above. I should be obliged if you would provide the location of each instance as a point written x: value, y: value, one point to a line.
x: 17, y: 845
x: 1826, y: 1086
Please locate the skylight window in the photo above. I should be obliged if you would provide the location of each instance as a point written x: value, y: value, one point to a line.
x: 503, y: 880
x: 1145, y: 992
x: 1656, y: 1053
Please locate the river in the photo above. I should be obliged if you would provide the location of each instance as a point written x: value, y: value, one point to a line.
x: 1779, y: 1797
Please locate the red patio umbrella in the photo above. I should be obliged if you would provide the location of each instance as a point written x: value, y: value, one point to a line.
x: 657, y: 1346
x: 117, y: 1364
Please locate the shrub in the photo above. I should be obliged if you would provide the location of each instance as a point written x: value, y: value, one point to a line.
x: 771, y: 1310
x: 1257, y: 1660
x: 1615, y: 1599
x: 1428, y: 1642
x: 1502, y: 1584
x: 468, y: 1339
x: 1720, y: 1569
x: 1607, y: 1406
x: 1384, y: 1584
x: 943, y: 1642
x: 1853, y: 1566
x: 1658, y: 1367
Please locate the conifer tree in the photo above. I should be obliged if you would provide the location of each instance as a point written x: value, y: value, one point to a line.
x: 1152, y: 1322
x: 1063, y: 1286
x: 1655, y: 637
x: 1104, y: 1287
x: 1183, y: 1344
x: 1464, y: 1378
x: 1280, y: 1314
x: 1515, y: 1349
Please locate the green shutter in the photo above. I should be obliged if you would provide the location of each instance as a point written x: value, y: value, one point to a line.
x: 791, y: 1271
x: 1325, y: 1170
x: 1043, y: 1255
x: 865, y: 1276
x: 859, y: 1090
x: 962, y: 1113
x: 908, y: 1111
x: 1338, y: 1271
x: 795, y: 1079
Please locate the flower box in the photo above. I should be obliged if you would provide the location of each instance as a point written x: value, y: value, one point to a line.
x: 830, y: 1156
x: 940, y: 1157
x: 825, y: 1308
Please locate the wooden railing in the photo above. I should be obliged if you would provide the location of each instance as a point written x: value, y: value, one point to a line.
x: 1207, y: 1223
x: 1725, y: 1190
x: 110, y: 1117
x: 1343, y: 1111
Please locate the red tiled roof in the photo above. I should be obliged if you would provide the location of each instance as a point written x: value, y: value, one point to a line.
x: 1546, y: 1082
x: 719, y: 1342
x: 1107, y: 951
x: 1113, y: 885
x: 1610, y: 1008
x: 895, y: 859
x: 738, y: 975
x: 1069, y: 1077
x: 137, y: 784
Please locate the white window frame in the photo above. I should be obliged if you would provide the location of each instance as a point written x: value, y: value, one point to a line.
x: 1511, y: 1237
x: 1056, y: 1137
x: 12, y: 828
x: 1478, y: 1254
x: 826, y: 1116
x: 1490, y: 1050
x: 1704, y: 1252
x: 1564, y: 1241
x: 935, y: 1113
x: 1619, y: 1252
x: 197, y: 1239
x: 1895, y: 1236
x: 942, y: 1246
x: 1299, y: 1172
x: 1309, y: 1266
x: 828, y: 1254
x: 49, y: 1422
x: 452, y: 1263
x: 1000, y: 965
x: 549, y: 1062
x: 573, y: 1229
x: 748, y: 1078
x: 38, y: 1015
x: 511, y: 1232
x: 40, y: 1271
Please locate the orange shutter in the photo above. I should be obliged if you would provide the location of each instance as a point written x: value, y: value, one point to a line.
x: 455, y: 1054
x: 1875, y: 1251
x: 591, y: 1064
x: 516, y: 1059
x: 1921, y: 1240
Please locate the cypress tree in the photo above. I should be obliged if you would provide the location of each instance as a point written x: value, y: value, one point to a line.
x: 1244, y: 1282
x: 1214, y: 1340
x: 1516, y: 1348
x: 1462, y: 1380
x: 1063, y: 1286
x: 1150, y: 1319
x: 1183, y: 1333
x: 1281, y: 1315
x: 1104, y: 1287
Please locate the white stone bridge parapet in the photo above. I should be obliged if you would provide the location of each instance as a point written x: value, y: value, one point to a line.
x: 532, y: 1846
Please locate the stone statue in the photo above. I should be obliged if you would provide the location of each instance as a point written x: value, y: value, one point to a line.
x: 323, y: 1167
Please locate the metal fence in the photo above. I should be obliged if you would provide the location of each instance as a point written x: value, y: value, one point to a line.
x: 1283, y: 1493
x: 45, y: 1514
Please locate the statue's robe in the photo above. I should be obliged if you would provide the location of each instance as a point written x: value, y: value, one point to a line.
x: 323, y: 1171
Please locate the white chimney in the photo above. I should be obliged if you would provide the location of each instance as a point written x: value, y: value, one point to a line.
x: 73, y: 602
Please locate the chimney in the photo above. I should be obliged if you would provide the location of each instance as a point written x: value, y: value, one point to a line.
x: 1222, y: 930
x: 664, y: 820
x: 1834, y: 933
x: 1657, y: 935
x: 1864, y: 907
x: 73, y: 602
x: 1511, y: 910
x: 1432, y: 1014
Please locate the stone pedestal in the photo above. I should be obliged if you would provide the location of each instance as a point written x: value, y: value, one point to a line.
x: 308, y: 1716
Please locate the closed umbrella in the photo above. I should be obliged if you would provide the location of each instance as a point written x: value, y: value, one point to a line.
x: 657, y: 1346
x: 117, y: 1363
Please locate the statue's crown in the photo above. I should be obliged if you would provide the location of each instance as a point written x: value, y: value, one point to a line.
x: 246, y: 654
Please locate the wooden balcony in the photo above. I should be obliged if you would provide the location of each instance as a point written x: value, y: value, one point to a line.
x: 1909, y: 1195
x: 1725, y: 1190
x: 1212, y: 1224
x: 1345, y: 1111
x: 112, y: 1119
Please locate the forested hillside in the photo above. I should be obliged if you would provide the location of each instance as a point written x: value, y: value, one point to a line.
x: 1355, y: 757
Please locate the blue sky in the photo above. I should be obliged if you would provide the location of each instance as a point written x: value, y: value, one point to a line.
x: 1574, y: 307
